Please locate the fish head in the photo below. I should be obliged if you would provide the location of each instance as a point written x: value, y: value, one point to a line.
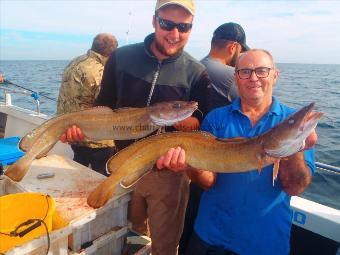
x: 289, y: 136
x: 171, y: 112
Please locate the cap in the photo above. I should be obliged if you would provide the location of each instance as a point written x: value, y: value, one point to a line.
x: 232, y: 32
x: 189, y: 5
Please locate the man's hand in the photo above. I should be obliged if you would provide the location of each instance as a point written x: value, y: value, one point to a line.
x: 73, y: 134
x: 174, y: 160
x: 311, y: 140
x: 189, y: 124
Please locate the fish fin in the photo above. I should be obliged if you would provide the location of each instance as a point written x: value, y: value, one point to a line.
x: 259, y: 165
x: 100, y: 107
x: 132, y: 179
x: 260, y: 159
x: 44, y: 152
x: 276, y: 169
x: 232, y: 140
x: 123, y: 109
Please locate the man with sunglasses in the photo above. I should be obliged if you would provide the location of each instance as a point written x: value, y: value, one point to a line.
x: 146, y: 73
x: 243, y: 213
x: 228, y: 41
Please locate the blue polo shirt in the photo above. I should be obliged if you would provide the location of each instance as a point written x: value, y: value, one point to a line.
x: 243, y: 212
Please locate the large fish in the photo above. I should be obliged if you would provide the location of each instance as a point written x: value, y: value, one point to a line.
x: 99, y: 123
x: 204, y: 151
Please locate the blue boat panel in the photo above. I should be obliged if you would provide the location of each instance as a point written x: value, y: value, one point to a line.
x: 9, y: 150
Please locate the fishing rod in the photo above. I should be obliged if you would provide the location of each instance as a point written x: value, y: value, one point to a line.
x: 34, y: 94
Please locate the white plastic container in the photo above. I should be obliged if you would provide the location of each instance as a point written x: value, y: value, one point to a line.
x: 132, y: 239
x: 108, y: 244
x: 70, y: 185
x: 38, y: 246
x: 7, y: 186
x: 99, y: 222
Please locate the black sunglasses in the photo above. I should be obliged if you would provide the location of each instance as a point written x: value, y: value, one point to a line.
x: 169, y: 25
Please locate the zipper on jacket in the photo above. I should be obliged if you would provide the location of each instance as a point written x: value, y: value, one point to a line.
x: 154, y: 80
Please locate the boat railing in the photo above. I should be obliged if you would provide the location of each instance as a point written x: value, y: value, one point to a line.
x: 8, y: 97
x: 326, y: 167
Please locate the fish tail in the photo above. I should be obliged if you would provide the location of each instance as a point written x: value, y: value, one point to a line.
x: 18, y: 170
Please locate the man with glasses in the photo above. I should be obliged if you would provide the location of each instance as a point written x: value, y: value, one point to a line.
x: 243, y: 213
x: 146, y: 73
x: 228, y: 41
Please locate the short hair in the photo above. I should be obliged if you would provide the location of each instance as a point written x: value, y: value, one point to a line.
x: 261, y: 50
x: 104, y: 44
x: 219, y: 43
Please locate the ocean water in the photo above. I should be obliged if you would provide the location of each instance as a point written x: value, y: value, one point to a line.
x: 298, y: 85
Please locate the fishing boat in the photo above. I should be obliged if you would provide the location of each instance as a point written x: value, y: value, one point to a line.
x: 316, y: 227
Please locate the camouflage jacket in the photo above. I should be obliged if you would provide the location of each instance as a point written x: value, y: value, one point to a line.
x: 80, y: 87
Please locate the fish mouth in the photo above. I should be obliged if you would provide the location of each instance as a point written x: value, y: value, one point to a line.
x: 300, y: 125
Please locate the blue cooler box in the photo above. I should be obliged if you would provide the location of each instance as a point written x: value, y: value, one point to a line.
x: 9, y: 150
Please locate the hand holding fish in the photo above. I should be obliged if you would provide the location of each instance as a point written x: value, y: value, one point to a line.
x: 294, y: 174
x: 311, y: 140
x: 174, y: 160
x: 72, y: 134
x: 98, y: 123
x: 204, y: 151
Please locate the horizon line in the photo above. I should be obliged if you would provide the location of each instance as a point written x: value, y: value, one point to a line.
x: 300, y: 63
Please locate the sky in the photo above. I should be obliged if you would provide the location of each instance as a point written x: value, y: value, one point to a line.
x: 293, y: 31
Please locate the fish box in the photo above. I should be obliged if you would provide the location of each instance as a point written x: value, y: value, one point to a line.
x: 37, y: 246
x: 9, y: 150
x: 70, y: 184
x: 136, y: 244
x: 7, y: 186
x: 110, y: 243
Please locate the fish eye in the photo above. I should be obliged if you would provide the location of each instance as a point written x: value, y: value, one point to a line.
x: 291, y: 121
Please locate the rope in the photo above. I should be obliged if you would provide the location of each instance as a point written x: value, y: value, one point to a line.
x: 34, y: 94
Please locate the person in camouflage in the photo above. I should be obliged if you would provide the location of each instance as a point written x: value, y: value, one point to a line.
x: 79, y: 89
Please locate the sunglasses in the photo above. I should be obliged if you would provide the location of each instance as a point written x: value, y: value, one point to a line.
x: 169, y: 25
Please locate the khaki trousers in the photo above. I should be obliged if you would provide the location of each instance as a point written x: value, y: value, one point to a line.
x: 159, y: 201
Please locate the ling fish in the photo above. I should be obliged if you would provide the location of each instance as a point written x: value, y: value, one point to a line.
x: 204, y: 151
x: 99, y: 123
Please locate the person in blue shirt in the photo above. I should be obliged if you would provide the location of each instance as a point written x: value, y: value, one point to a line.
x: 243, y: 213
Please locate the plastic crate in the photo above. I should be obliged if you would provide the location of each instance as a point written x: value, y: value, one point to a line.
x: 108, y: 244
x: 7, y: 186
x: 99, y: 222
x: 9, y: 150
x: 136, y: 244
x: 38, y: 246
x: 70, y: 187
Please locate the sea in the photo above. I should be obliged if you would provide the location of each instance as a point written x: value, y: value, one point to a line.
x: 297, y: 86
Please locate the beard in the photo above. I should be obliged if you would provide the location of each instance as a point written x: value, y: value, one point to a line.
x: 161, y: 49
x: 233, y: 59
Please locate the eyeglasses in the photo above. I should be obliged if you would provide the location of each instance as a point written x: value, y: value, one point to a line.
x: 261, y: 72
x: 169, y: 25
